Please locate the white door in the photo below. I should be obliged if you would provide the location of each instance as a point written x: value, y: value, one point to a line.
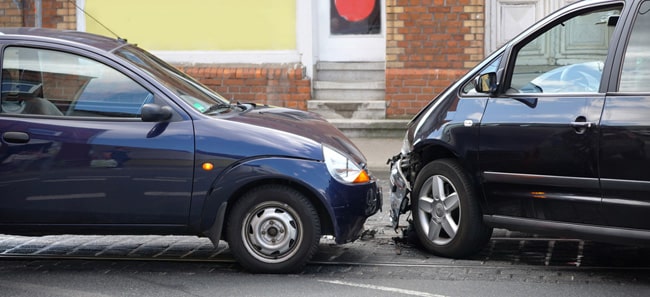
x: 351, y: 30
x: 507, y: 18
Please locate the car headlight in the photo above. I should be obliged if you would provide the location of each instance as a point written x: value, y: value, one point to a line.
x: 343, y: 168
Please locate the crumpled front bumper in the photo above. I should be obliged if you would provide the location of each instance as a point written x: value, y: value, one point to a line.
x: 361, y: 202
x: 399, y: 189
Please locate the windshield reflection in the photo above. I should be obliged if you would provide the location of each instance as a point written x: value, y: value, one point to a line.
x: 184, y: 86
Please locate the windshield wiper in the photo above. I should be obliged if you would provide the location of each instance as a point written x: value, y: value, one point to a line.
x: 246, y: 106
x: 217, y: 107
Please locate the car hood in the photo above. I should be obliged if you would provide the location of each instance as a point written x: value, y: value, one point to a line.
x: 304, y: 124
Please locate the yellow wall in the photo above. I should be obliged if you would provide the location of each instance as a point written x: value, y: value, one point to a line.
x: 198, y: 24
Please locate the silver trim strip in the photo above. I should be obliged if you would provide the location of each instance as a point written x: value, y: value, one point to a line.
x: 597, y: 232
x: 627, y: 202
x: 571, y: 198
x: 625, y: 184
x: 541, y: 180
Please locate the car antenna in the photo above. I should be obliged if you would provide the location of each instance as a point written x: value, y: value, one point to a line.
x: 96, y: 20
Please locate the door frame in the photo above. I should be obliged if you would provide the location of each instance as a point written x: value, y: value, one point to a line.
x: 347, y: 48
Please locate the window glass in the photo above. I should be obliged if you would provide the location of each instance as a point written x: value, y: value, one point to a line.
x: 185, y: 87
x: 46, y: 82
x: 635, y: 76
x: 567, y: 58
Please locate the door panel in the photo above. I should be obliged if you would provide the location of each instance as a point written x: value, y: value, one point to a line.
x: 624, y: 158
x: 535, y: 164
x: 81, y: 172
x: 625, y: 161
x: 539, y: 140
x: 74, y: 150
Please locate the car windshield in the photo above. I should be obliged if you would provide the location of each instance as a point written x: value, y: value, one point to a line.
x: 185, y: 87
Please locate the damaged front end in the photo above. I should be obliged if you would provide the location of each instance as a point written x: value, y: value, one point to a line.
x: 400, y: 188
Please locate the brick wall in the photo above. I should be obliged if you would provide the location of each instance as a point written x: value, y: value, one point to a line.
x: 429, y: 44
x: 11, y: 14
x: 279, y: 85
x: 58, y: 14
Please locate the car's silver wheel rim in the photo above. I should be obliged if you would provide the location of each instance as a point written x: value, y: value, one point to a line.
x: 439, y: 210
x: 272, y: 232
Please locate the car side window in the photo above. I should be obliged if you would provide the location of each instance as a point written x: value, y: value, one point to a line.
x: 567, y: 58
x: 635, y: 76
x: 53, y: 83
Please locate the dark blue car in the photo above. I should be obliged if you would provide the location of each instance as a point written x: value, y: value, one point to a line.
x: 101, y: 137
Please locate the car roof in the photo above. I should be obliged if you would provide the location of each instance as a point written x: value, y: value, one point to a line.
x: 65, y: 36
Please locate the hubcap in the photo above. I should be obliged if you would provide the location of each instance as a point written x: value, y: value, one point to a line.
x: 272, y: 232
x: 439, y: 210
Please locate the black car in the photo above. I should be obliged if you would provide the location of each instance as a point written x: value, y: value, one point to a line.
x: 97, y: 136
x: 547, y: 135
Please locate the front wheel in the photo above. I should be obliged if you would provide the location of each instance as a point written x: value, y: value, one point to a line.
x: 446, y: 213
x: 273, y: 229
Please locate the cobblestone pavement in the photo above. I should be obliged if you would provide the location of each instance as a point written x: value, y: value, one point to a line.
x: 509, y: 255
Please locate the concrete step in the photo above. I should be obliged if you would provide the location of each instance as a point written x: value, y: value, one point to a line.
x: 350, y: 109
x: 349, y: 90
x: 359, y: 90
x: 324, y: 65
x: 360, y: 128
x: 356, y: 71
x: 349, y: 85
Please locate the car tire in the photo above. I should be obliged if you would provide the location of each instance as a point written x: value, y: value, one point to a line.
x: 449, y: 224
x: 273, y: 229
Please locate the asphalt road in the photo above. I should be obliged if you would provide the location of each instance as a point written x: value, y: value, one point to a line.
x: 163, y: 278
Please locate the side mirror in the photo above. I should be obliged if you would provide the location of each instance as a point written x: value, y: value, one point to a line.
x: 155, y: 113
x: 612, y: 20
x: 486, y: 83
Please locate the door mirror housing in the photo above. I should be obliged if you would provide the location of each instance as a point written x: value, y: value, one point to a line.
x: 486, y: 83
x: 155, y: 113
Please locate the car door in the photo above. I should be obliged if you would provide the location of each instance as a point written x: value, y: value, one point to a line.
x: 538, y: 146
x: 74, y: 150
x: 625, y: 129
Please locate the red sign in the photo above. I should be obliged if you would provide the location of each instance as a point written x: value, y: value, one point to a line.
x: 354, y: 10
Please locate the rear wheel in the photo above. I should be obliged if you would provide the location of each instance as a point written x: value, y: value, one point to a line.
x: 273, y: 229
x: 446, y: 213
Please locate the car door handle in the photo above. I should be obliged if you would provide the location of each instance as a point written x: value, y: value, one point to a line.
x: 581, y: 124
x: 15, y: 137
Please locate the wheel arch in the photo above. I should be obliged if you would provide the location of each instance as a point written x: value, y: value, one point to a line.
x: 242, y: 178
x: 448, y: 229
x: 327, y: 226
x: 433, y: 150
x: 429, y: 151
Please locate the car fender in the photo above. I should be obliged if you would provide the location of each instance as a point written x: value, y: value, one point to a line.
x: 452, y: 130
x: 306, y: 175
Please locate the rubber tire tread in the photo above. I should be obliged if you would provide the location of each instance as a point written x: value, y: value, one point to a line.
x: 472, y: 233
x: 273, y: 192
